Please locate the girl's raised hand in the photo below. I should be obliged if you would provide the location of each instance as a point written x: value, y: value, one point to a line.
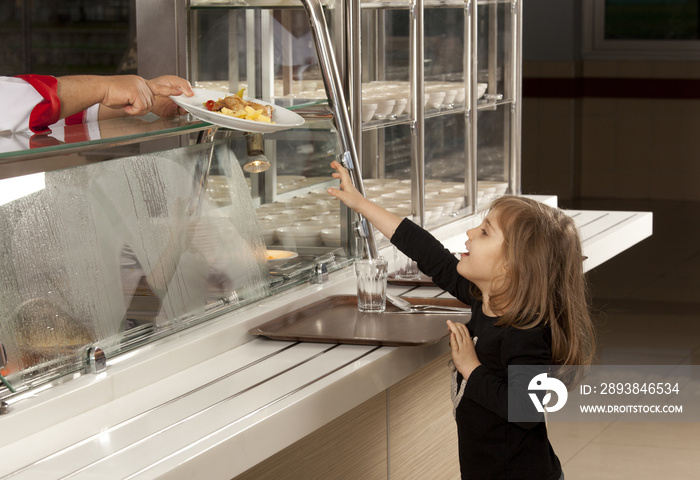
x: 463, y: 352
x: 385, y: 221
x: 347, y: 193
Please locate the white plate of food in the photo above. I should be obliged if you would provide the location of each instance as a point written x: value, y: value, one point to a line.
x: 281, y: 117
x: 277, y: 258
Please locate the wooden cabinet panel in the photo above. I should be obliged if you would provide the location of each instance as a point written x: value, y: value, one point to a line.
x: 353, y: 446
x: 421, y: 441
x: 422, y: 430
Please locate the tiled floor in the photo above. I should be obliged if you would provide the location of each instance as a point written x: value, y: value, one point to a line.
x: 648, y: 313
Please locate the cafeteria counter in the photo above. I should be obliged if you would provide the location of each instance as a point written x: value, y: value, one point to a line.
x: 214, y: 401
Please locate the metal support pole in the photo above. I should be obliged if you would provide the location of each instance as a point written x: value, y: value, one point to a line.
x: 334, y: 90
x: 417, y: 42
x: 472, y: 103
x: 516, y: 123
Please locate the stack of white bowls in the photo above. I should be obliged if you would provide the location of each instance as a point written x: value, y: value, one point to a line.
x: 390, y: 98
x: 301, y: 221
x: 489, y: 190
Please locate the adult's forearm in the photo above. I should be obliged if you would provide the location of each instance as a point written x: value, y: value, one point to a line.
x: 123, y: 95
x: 78, y: 92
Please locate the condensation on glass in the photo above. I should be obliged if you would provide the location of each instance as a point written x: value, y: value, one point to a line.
x: 117, y: 253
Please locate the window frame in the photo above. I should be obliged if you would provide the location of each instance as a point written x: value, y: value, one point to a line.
x: 596, y: 46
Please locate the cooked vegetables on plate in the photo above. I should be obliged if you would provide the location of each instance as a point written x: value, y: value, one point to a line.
x: 236, y: 106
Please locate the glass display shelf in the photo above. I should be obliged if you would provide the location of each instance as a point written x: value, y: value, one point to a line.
x: 279, y: 4
x: 388, y: 4
x: 405, y: 4
x: 490, y: 104
x: 73, y: 138
x: 23, y: 153
x: 246, y: 4
x: 491, y: 2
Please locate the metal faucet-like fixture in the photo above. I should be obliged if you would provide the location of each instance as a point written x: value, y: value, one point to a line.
x: 257, y: 161
x: 319, y: 273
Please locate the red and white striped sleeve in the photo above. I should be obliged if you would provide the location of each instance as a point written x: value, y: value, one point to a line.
x: 30, y: 102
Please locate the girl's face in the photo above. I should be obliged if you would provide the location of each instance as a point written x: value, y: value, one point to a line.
x: 484, y: 263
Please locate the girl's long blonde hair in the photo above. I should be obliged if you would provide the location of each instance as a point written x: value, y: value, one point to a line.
x: 544, y: 283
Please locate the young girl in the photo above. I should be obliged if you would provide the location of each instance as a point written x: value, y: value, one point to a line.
x: 523, y: 277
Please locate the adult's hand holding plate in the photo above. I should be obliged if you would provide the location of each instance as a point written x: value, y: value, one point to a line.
x: 283, y: 119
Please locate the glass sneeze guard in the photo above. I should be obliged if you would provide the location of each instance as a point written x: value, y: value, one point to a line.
x: 117, y: 253
x: 109, y: 253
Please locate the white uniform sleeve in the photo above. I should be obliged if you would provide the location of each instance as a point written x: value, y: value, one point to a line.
x: 17, y: 100
x: 91, y: 122
x: 92, y: 128
x: 91, y: 113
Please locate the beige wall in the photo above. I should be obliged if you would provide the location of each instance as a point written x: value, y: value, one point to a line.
x: 631, y: 148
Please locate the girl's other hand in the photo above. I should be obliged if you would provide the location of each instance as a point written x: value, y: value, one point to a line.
x: 347, y: 193
x: 463, y: 352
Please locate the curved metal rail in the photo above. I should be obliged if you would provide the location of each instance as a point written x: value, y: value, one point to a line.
x: 334, y: 89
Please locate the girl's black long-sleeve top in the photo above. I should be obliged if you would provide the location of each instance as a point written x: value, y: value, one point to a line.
x: 490, y: 447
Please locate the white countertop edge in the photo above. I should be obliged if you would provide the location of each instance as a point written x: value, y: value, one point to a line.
x: 618, y: 239
x: 230, y: 453
x: 232, y: 448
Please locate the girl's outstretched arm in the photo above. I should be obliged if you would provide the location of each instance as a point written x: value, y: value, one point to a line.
x: 385, y: 221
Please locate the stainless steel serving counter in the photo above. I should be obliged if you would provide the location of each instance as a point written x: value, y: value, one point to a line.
x: 213, y: 401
